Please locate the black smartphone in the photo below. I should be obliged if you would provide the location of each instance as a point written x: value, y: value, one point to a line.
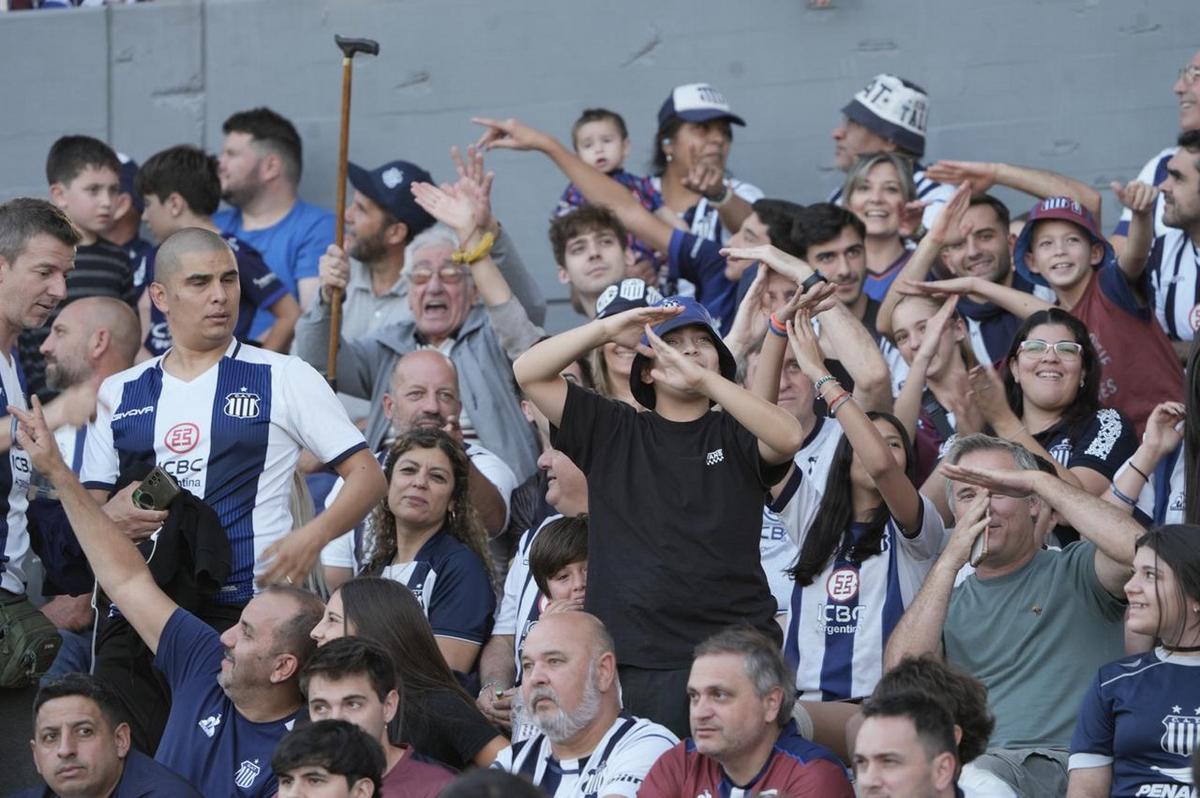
x: 157, y: 490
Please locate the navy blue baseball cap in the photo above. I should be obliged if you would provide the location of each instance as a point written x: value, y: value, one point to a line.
x: 1067, y: 210
x: 694, y: 315
x: 626, y: 295
x: 390, y: 187
x: 697, y: 102
x: 129, y: 170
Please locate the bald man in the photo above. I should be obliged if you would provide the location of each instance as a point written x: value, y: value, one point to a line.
x: 92, y: 339
x: 571, y: 695
x: 424, y: 393
x: 228, y: 421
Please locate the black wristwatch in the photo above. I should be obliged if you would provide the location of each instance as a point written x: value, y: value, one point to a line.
x: 813, y: 279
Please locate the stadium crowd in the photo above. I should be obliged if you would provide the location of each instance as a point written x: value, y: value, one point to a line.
x: 890, y: 494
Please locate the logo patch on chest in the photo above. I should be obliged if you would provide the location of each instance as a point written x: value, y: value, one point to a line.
x: 242, y: 404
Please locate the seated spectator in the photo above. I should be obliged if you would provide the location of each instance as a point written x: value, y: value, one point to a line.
x: 1053, y: 383
x: 586, y: 745
x: 81, y: 746
x: 643, y: 467
x: 234, y: 696
x: 334, y: 755
x: 590, y: 248
x: 522, y: 603
x: 743, y: 738
x: 442, y: 297
x: 690, y: 256
x: 905, y: 748
x: 691, y: 153
x: 427, y: 536
x: 1030, y: 623
x: 260, y: 164
x: 612, y: 362
x: 889, y: 114
x: 879, y: 190
x: 182, y: 189
x: 1187, y: 94
x: 1132, y: 736
x: 83, y: 174
x: 967, y: 700
x: 353, y: 679
x: 601, y: 139
x: 558, y: 563
x: 424, y: 395
x: 1120, y: 745
x: 439, y: 719
x: 866, y: 540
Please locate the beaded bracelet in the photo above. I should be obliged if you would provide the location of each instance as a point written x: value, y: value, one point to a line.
x: 827, y: 378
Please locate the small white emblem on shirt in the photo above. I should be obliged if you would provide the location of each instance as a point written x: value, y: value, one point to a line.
x: 209, y: 725
x: 714, y: 457
x: 246, y: 774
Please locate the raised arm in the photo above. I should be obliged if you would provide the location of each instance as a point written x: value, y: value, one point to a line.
x: 1139, y: 199
x: 1040, y: 183
x: 778, y: 432
x: 947, y: 229
x: 843, y: 335
x: 908, y: 403
x: 898, y: 493
x: 919, y: 630
x: 599, y: 188
x: 1112, y: 531
x: 538, y: 370
x: 1164, y: 433
x: 119, y: 568
x: 1018, y: 303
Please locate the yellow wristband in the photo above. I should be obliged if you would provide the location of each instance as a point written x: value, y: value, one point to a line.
x: 479, y: 251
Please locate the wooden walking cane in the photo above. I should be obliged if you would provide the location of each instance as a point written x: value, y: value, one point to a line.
x: 349, y: 48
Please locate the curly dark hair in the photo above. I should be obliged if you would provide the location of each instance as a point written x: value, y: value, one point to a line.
x: 461, y: 523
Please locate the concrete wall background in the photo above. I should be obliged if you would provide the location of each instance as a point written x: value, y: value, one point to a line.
x: 1079, y: 86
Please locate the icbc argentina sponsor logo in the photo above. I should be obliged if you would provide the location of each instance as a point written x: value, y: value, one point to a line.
x: 182, y: 437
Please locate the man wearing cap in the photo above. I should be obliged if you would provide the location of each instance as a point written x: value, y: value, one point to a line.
x: 691, y: 148
x: 675, y: 494
x: 888, y: 115
x: 1187, y: 90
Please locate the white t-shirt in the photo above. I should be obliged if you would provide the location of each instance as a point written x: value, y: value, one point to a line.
x: 14, y: 487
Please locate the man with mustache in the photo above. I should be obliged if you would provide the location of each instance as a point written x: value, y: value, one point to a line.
x: 586, y: 745
x: 424, y: 393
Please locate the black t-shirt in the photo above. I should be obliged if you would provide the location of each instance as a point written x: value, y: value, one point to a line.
x: 444, y: 727
x: 675, y: 517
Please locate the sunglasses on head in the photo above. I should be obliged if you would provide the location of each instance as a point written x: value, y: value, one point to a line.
x: 1067, y: 350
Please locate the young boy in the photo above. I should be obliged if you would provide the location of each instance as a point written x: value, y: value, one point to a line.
x: 675, y: 494
x: 181, y: 189
x: 558, y: 561
x: 1062, y: 246
x: 602, y: 141
x: 331, y: 758
x: 83, y: 175
x: 590, y: 246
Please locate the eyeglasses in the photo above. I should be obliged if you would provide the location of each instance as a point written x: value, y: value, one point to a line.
x: 1189, y: 74
x: 447, y: 273
x: 1067, y: 350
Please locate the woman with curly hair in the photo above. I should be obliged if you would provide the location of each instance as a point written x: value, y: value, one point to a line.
x: 426, y: 535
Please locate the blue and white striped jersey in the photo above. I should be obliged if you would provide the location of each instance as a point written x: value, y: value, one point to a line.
x: 617, y: 766
x: 840, y: 623
x: 1153, y: 173
x: 14, y: 485
x: 1141, y: 717
x: 1172, y: 267
x: 231, y: 436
